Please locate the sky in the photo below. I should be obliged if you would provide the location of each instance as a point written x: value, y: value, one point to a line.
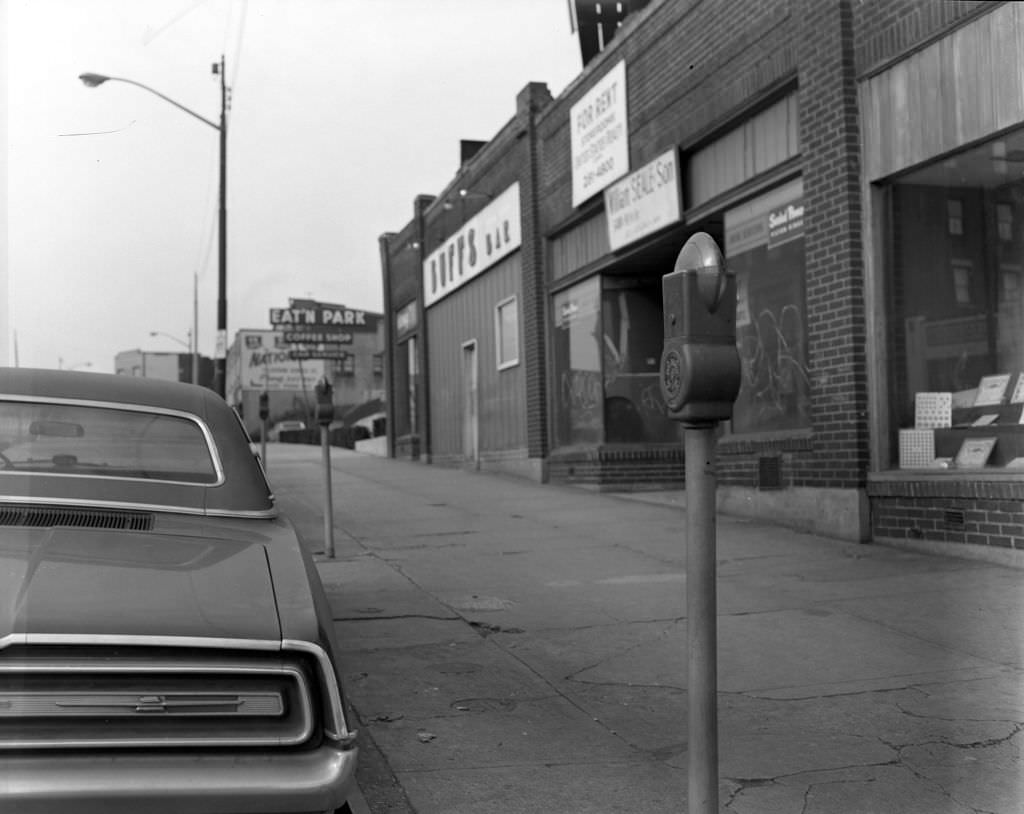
x: 342, y: 111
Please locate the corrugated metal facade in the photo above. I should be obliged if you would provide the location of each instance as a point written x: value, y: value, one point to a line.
x: 468, y: 314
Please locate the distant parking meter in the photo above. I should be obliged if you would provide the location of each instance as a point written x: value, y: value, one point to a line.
x: 324, y: 403
x: 700, y: 366
x: 264, y: 406
x: 324, y: 417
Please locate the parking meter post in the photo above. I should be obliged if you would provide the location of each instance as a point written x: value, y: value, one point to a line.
x: 702, y: 619
x: 324, y: 417
x: 700, y: 379
x: 325, y: 447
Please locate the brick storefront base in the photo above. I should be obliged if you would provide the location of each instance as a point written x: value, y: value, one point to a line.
x: 955, y: 512
x: 620, y: 468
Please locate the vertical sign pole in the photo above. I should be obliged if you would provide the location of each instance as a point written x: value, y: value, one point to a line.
x: 702, y: 620
x: 328, y: 499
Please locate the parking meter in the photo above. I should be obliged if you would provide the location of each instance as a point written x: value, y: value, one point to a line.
x: 324, y: 417
x: 700, y: 366
x: 324, y: 403
x: 264, y: 406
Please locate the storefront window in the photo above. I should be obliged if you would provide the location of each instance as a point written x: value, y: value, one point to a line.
x: 607, y: 353
x: 632, y: 339
x: 764, y: 242
x: 956, y: 311
x: 576, y: 345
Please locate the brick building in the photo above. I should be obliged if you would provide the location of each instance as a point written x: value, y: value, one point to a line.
x: 860, y: 164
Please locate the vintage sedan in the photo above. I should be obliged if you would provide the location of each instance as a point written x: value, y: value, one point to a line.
x: 165, y: 641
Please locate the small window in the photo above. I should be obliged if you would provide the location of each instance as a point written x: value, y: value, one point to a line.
x: 955, y: 216
x: 1004, y: 219
x: 347, y: 366
x: 506, y: 327
x: 962, y: 282
x: 378, y: 364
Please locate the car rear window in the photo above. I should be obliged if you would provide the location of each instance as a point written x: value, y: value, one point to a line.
x: 95, y: 441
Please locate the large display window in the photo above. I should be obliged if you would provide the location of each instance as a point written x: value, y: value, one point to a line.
x: 607, y: 353
x: 576, y: 346
x: 955, y: 302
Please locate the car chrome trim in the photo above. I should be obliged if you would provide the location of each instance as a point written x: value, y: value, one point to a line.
x: 158, y: 508
x: 211, y: 447
x: 129, y: 640
x: 340, y: 731
x: 147, y: 704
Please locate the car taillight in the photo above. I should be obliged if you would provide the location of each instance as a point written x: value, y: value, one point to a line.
x: 244, y: 701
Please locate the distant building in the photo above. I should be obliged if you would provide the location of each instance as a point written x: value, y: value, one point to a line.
x: 173, y: 367
x: 285, y: 361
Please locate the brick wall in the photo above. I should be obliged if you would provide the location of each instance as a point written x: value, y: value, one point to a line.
x: 616, y: 467
x: 691, y: 66
x: 887, y: 29
x: 836, y: 326
x: 531, y: 101
x: 987, y: 513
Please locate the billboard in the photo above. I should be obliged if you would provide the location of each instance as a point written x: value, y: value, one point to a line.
x: 265, y: 363
x: 310, y: 315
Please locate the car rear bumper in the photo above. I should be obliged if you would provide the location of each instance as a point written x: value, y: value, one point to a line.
x: 200, y: 783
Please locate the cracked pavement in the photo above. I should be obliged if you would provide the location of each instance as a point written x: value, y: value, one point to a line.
x: 511, y: 646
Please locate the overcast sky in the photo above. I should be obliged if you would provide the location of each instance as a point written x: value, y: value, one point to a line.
x: 342, y: 112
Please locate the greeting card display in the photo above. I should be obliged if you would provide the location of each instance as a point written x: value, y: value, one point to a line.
x: 992, y: 390
x: 1017, y: 397
x: 974, y: 452
x: 917, y: 448
x: 933, y: 410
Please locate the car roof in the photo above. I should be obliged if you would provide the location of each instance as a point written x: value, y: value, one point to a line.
x: 243, y: 492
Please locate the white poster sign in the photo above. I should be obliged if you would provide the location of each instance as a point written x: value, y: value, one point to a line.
x: 264, y: 364
x: 644, y: 201
x: 599, y: 136
x: 493, y: 233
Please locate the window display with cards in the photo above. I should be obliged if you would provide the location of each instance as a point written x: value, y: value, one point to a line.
x: 955, y: 306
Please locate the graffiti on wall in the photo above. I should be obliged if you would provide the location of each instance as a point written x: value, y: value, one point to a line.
x: 775, y: 377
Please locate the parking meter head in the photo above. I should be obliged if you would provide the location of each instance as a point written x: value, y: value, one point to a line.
x: 700, y: 366
x: 324, y: 402
x: 264, y: 406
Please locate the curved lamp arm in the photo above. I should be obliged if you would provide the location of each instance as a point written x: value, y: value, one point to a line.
x: 93, y: 80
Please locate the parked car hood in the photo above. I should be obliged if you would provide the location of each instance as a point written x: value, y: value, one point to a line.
x: 102, y: 582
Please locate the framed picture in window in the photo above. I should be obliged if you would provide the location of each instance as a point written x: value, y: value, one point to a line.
x: 975, y: 452
x: 992, y: 390
x: 1017, y: 397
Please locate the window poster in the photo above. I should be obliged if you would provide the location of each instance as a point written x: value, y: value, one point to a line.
x: 578, y: 409
x: 764, y: 245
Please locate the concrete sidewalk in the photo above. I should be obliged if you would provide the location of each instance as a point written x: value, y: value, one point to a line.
x: 516, y: 647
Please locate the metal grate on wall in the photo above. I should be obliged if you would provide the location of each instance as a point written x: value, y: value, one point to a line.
x: 769, y: 472
x: 954, y: 518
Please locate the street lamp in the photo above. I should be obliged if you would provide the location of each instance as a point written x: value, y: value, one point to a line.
x: 93, y: 80
x: 192, y: 350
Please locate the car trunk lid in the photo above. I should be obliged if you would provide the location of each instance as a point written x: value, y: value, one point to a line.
x: 62, y: 581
